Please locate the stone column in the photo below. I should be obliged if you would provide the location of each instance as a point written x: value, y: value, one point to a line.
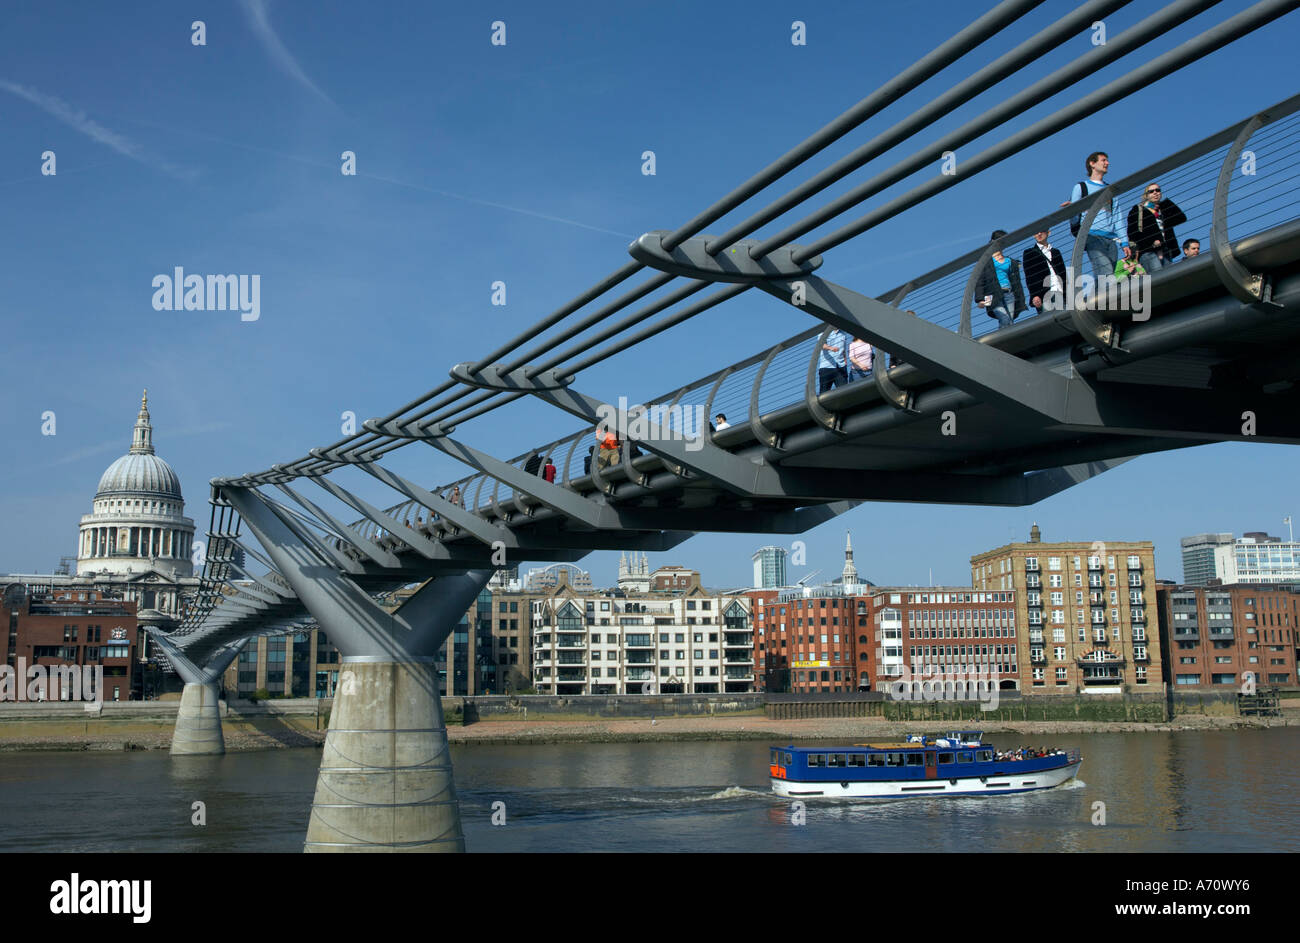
x: 198, y: 723
x: 385, y: 781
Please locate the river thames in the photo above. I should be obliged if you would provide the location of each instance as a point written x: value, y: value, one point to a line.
x: 1189, y: 791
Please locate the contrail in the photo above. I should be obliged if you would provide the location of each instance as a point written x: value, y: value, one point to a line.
x: 260, y: 22
x: 400, y: 183
x: 78, y: 120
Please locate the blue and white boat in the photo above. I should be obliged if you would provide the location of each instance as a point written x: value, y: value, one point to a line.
x: 960, y: 763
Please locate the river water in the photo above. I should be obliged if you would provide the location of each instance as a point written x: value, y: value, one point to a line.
x: 1220, y: 791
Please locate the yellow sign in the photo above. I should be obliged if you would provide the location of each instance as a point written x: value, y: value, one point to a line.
x: 811, y: 664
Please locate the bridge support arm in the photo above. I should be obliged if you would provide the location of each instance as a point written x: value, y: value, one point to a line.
x: 998, y: 378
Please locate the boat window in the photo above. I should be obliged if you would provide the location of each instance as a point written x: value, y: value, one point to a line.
x: 929, y: 759
x: 945, y: 757
x: 835, y: 759
x: 915, y: 759
x: 857, y: 759
x: 776, y: 760
x: 816, y: 759
x: 964, y: 757
x: 787, y: 760
x: 875, y: 759
x: 984, y: 756
x: 894, y: 759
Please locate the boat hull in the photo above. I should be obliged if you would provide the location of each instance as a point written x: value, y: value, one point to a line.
x: 967, y: 786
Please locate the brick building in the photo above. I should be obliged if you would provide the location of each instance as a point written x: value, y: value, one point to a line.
x: 73, y: 627
x: 1215, y: 635
x: 946, y: 631
x: 1084, y: 612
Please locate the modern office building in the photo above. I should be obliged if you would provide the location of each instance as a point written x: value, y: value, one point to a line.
x: 1216, y: 635
x: 1198, y: 557
x: 1258, y: 558
x: 303, y: 664
x: 1084, y: 612
x: 769, y: 568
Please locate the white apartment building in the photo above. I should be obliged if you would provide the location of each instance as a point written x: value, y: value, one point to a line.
x: 643, y: 643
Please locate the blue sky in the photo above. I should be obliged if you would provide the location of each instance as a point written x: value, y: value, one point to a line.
x: 520, y: 163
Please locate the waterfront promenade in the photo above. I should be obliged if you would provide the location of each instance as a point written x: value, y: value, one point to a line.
x: 149, y: 726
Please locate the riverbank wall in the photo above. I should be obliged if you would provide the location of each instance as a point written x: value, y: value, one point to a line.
x: 528, y: 718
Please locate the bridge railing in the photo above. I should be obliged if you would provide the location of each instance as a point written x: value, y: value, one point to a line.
x: 1255, y: 202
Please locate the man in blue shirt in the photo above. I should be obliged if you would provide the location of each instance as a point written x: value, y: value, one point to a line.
x: 832, y: 365
x: 1106, y: 238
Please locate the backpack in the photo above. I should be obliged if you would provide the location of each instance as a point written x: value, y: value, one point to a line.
x: 1074, y: 223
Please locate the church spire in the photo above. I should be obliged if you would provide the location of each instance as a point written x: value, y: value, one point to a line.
x: 850, y: 574
x: 142, y: 439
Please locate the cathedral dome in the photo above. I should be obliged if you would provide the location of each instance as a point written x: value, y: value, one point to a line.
x: 140, y: 474
x: 140, y: 471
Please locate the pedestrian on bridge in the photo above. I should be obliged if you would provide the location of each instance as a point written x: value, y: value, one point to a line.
x: 548, y: 470
x: 1104, y: 240
x: 832, y: 363
x: 1044, y: 270
x: 860, y: 358
x: 607, y: 441
x: 1151, y: 229
x: 998, y: 289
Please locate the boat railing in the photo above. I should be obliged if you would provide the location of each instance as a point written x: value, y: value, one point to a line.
x: 1073, y: 756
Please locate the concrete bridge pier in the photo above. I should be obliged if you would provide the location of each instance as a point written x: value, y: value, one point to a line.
x: 198, y: 722
x: 385, y: 781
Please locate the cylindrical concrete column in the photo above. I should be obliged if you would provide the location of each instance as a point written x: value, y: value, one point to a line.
x: 385, y: 781
x: 198, y: 723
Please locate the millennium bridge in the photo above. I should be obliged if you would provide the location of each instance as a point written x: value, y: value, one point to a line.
x: 955, y: 410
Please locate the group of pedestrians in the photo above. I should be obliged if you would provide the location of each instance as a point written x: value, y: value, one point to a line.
x: 535, y: 465
x: 842, y: 360
x: 1146, y: 242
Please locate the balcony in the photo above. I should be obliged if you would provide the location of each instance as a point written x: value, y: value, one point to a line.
x: 1140, y: 654
x: 1135, y: 563
x: 637, y: 641
x: 1222, y: 633
x: 1138, y: 615
x: 1038, y: 658
x: 571, y: 658
x: 1036, y: 637
x: 571, y: 675
x: 739, y: 674
x: 1034, y: 582
x: 736, y: 641
x: 737, y: 658
x: 639, y: 674
x: 1110, y: 661
x: 640, y: 658
x: 1103, y: 676
x: 1135, y: 579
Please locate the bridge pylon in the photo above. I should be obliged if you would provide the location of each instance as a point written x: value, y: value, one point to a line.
x: 385, y: 782
x: 198, y: 720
